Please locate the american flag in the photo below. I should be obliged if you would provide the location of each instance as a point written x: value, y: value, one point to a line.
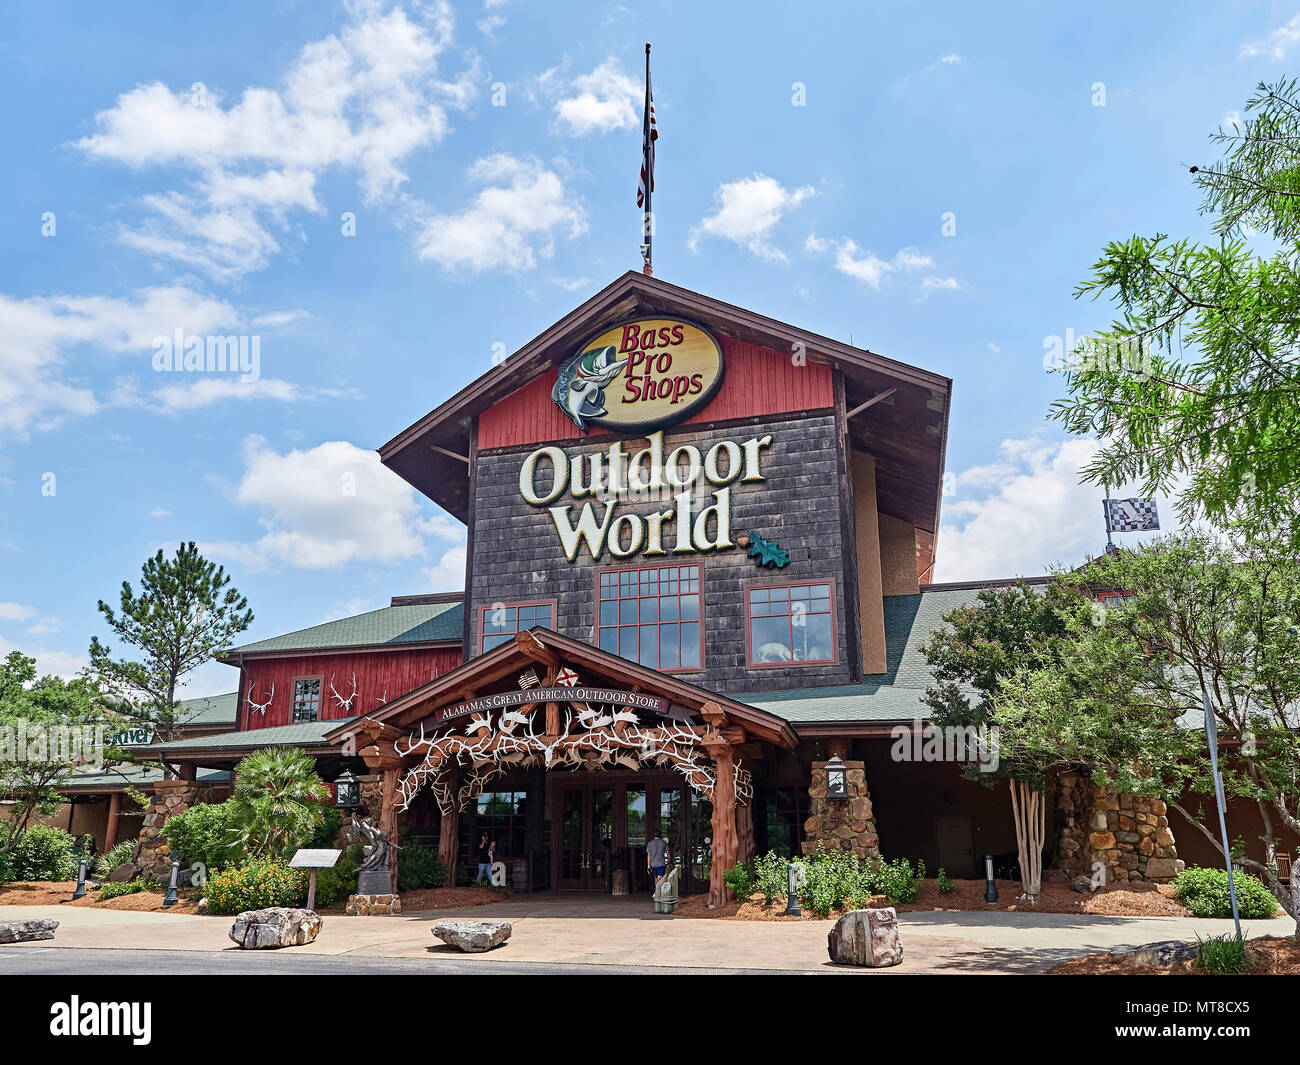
x: 649, y: 134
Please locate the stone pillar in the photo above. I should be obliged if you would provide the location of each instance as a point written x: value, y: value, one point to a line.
x: 1126, y: 833
x: 843, y: 824
x: 170, y: 797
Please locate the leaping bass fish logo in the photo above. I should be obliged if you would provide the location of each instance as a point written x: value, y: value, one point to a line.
x: 580, y: 388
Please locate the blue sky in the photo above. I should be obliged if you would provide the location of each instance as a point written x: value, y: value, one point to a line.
x: 174, y: 167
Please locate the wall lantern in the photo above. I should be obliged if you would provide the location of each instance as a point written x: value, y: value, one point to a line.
x: 347, y: 791
x: 837, y: 779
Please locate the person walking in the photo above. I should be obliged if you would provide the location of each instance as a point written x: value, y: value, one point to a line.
x: 656, y: 854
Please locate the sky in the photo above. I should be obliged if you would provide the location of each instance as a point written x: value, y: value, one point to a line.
x: 380, y: 199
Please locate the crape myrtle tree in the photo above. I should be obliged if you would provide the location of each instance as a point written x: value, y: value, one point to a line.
x: 185, y: 613
x: 982, y: 645
x: 1201, y: 613
x: 1196, y: 385
x: 47, y: 727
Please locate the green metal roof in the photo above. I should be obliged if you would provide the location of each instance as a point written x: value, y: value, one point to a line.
x: 894, y: 695
x: 390, y: 626
x: 208, y: 710
x: 130, y: 775
x: 302, y: 734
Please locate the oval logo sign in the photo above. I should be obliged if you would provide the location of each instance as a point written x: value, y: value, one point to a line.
x: 640, y: 375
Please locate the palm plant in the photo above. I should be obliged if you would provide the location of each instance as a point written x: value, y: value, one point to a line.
x: 278, y: 803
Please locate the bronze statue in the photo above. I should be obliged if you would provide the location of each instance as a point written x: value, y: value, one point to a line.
x: 375, y: 850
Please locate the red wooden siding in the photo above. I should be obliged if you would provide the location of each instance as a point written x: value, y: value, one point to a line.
x: 759, y: 381
x: 396, y: 672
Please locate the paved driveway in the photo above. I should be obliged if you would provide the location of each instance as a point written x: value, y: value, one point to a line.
x: 574, y: 930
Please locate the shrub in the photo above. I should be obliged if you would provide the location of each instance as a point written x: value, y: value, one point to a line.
x: 257, y: 885
x: 6, y: 866
x: 43, y: 853
x: 116, y: 855
x: 1205, y: 893
x: 946, y: 885
x: 1225, y: 954
x: 328, y: 831
x: 204, y: 833
x: 126, y: 887
x: 419, y: 867
x: 279, y: 802
x: 333, y: 886
x: 771, y: 876
x: 740, y: 880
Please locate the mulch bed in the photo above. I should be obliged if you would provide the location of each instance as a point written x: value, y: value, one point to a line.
x: 1117, y: 900
x: 59, y: 893
x: 1276, y: 956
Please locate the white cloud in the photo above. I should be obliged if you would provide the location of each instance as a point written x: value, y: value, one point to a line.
x: 938, y: 284
x: 1276, y: 43
x: 509, y: 224
x: 38, y: 336
x: 43, y: 627
x: 747, y: 211
x: 326, y: 507
x: 866, y: 266
x: 361, y: 102
x: 207, y: 391
x: 449, y: 574
x: 489, y: 25
x: 950, y: 58
x: 160, y: 512
x: 16, y: 612
x: 602, y: 101
x: 49, y: 661
x: 1025, y: 512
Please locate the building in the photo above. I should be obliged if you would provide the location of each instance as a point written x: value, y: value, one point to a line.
x: 700, y: 544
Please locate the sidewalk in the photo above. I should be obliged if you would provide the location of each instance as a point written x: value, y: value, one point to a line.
x: 577, y: 930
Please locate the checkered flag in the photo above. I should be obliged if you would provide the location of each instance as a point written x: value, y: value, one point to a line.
x: 1131, y: 515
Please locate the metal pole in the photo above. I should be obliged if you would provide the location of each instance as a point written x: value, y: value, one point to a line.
x: 1105, y: 509
x: 647, y: 149
x: 1212, y: 735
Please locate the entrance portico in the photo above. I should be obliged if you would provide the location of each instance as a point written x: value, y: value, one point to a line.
x: 624, y: 750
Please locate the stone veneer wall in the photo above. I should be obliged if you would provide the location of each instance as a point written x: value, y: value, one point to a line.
x: 170, y: 797
x: 1129, y: 834
x: 843, y: 824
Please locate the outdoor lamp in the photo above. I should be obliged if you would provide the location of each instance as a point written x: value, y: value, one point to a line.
x: 347, y: 791
x: 80, y: 893
x: 792, y: 891
x: 837, y: 779
x: 170, y: 898
x: 990, y: 888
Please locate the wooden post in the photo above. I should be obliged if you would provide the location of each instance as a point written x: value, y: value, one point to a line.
x: 448, y: 835
x: 114, y: 810
x: 725, y: 845
x: 388, y: 820
x: 745, y: 832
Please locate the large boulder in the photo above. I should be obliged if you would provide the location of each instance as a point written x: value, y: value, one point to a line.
x: 27, y: 931
x: 125, y: 872
x: 473, y: 937
x: 1160, y: 955
x: 279, y: 926
x: 866, y: 937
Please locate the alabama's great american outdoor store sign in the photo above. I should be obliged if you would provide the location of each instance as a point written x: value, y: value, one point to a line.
x: 579, y: 694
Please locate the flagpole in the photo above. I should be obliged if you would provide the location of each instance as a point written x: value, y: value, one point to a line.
x: 647, y: 225
x: 1105, y: 509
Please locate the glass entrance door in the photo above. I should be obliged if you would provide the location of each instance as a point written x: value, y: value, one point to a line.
x: 586, y: 837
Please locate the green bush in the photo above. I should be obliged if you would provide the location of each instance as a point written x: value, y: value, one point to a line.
x: 328, y: 830
x: 257, y: 885
x: 419, y: 867
x: 831, y: 880
x: 946, y: 884
x: 896, y: 880
x: 1205, y: 893
x: 333, y: 886
x: 125, y: 887
x: 771, y: 876
x: 43, y: 853
x: 6, y: 867
x: 740, y: 880
x: 116, y: 855
x: 204, y: 833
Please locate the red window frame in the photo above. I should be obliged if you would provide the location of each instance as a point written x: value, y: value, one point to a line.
x: 828, y: 583
x: 513, y: 604
x: 618, y: 572
x: 294, y: 719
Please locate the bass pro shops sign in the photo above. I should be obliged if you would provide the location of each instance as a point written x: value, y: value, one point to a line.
x: 674, y: 485
x: 641, y: 375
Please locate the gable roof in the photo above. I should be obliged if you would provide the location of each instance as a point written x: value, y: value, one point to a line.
x: 906, y: 433
x: 208, y: 710
x: 432, y: 619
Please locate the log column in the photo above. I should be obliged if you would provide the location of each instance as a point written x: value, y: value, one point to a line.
x: 726, y: 846
x: 114, y: 811
x: 449, y: 833
x: 745, y: 832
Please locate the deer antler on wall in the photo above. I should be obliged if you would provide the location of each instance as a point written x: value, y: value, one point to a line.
x: 346, y: 704
x: 260, y: 707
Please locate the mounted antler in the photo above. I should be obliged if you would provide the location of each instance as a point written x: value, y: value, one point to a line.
x: 261, y: 707
x: 346, y: 704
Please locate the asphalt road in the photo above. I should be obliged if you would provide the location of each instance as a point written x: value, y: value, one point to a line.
x: 85, y: 961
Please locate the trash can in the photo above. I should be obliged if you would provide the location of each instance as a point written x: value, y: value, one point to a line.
x: 520, y: 878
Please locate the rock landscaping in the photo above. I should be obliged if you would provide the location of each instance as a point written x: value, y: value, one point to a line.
x: 279, y: 926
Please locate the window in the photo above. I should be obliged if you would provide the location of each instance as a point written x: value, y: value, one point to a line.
x: 1115, y: 599
x: 791, y: 623
x: 651, y: 616
x: 306, y: 698
x: 499, y: 622
x: 502, y: 815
